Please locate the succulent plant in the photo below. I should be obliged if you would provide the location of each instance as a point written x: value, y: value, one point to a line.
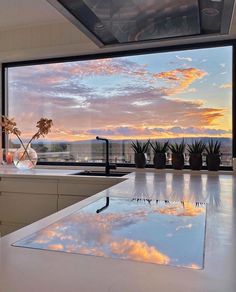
x: 213, y: 147
x: 197, y: 147
x: 177, y: 148
x: 159, y: 147
x: 140, y: 147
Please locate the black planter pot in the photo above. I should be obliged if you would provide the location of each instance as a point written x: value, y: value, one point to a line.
x: 140, y: 160
x: 213, y: 162
x: 177, y: 160
x: 159, y: 160
x: 195, y: 161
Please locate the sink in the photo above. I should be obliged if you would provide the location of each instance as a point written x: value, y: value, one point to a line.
x: 101, y: 173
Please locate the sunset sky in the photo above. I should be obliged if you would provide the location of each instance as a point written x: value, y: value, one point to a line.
x: 164, y: 95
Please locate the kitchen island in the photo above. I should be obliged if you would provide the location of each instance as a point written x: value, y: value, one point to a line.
x: 24, y: 269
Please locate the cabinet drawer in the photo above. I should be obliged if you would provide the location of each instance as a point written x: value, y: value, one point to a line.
x: 25, y: 208
x: 22, y: 185
x: 6, y: 228
x: 85, y: 189
x: 67, y: 200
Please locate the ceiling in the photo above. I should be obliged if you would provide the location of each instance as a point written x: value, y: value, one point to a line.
x: 16, y: 14
x: 20, y: 13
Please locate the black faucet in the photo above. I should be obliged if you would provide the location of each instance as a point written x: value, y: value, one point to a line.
x: 107, y: 164
x: 104, y: 207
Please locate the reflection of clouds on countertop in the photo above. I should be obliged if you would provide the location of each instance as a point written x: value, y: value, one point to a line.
x: 128, y: 229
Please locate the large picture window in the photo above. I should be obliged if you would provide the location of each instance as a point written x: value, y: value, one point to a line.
x: 158, y: 96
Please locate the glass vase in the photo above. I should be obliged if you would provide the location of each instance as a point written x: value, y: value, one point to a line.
x: 25, y: 157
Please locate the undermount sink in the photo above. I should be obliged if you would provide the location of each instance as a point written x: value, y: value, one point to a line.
x: 100, y: 173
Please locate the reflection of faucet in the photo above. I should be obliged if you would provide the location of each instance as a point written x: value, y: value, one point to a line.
x: 103, y: 208
x: 107, y: 165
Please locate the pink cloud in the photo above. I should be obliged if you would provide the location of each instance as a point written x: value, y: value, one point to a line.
x: 139, y: 251
x: 80, y: 111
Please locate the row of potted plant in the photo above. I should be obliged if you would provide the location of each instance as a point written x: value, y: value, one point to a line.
x: 195, y: 151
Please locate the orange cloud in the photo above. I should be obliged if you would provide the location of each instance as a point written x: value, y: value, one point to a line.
x: 194, y: 266
x: 188, y: 210
x: 226, y: 85
x: 139, y: 251
x: 183, y: 78
x: 56, y: 246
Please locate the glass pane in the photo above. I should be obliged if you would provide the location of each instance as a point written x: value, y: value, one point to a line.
x: 159, y: 96
x: 155, y: 232
x: 138, y: 20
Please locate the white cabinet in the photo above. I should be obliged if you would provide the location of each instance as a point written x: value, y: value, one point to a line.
x: 85, y: 187
x: 29, y: 185
x: 67, y: 200
x: 6, y: 227
x: 25, y: 200
x: 26, y: 208
x: 71, y: 192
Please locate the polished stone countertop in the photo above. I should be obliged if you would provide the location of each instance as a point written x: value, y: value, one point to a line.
x: 26, y: 270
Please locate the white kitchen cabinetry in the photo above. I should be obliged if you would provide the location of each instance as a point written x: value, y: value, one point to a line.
x: 26, y: 208
x: 73, y: 192
x: 26, y: 200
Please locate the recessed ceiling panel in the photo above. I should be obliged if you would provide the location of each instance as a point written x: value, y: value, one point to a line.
x: 112, y: 22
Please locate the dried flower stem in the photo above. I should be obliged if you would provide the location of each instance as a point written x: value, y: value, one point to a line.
x: 25, y: 149
x: 9, y: 126
x: 44, y: 126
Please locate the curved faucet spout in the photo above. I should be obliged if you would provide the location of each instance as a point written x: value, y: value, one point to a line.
x: 102, y: 139
x: 107, y: 154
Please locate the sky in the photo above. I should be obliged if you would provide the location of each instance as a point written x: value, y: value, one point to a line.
x: 160, y: 95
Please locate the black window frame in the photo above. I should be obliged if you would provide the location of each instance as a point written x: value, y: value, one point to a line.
x: 131, y: 52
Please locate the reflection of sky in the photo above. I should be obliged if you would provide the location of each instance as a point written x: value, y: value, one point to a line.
x: 163, y: 233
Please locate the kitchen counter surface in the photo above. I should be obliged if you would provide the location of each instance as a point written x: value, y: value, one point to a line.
x: 27, y: 270
x: 9, y: 171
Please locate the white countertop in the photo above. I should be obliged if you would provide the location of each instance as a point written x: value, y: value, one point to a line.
x: 27, y: 270
x: 7, y: 171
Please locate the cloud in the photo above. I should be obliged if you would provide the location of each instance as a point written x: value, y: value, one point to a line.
x: 86, y: 116
x: 83, y: 105
x: 188, y: 210
x: 184, y: 58
x: 192, y: 90
x: 56, y: 247
x: 226, y: 85
x: 108, y: 67
x: 182, y: 78
x: 132, y: 132
x: 188, y: 226
x: 86, y: 232
x: 139, y: 251
x: 194, y: 266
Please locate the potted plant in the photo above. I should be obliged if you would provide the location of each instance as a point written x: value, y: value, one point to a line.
x: 195, y: 151
x: 140, y: 149
x: 213, y: 155
x: 159, y: 149
x: 178, y: 154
